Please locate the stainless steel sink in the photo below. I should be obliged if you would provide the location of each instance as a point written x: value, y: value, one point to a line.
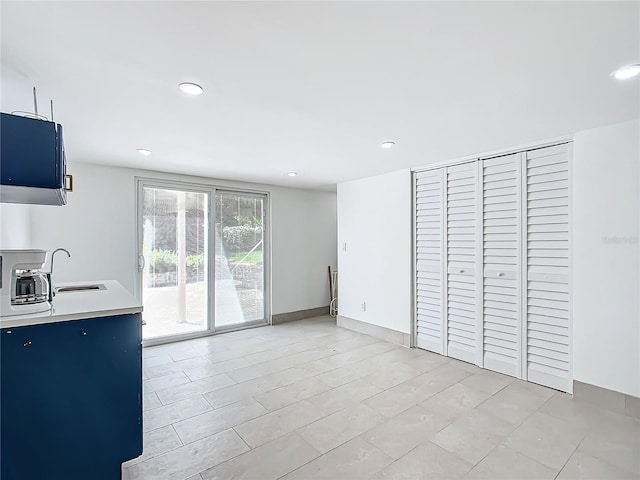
x: 81, y: 288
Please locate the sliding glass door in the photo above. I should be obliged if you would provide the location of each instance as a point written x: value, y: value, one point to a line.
x: 195, y: 279
x: 240, y: 247
x: 175, y: 280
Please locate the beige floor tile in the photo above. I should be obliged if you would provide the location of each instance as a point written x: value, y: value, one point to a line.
x: 426, y: 361
x: 192, y: 351
x: 150, y: 400
x: 155, y: 443
x: 343, y: 397
x: 398, y: 356
x: 211, y: 369
x: 267, y: 462
x: 506, y: 464
x: 174, y: 367
x: 309, y: 353
x: 198, y: 387
x: 241, y: 391
x: 582, y: 466
x: 472, y: 446
x: 391, y: 375
x: 154, y: 361
x: 516, y: 402
x: 546, y: 439
x: 427, y: 462
x: 191, y: 459
x: 348, y: 373
x: 402, y: 433
x: 289, y: 375
x: 254, y: 371
x: 619, y: 447
x: 150, y: 352
x: 166, y: 381
x: 482, y: 422
x: 218, y: 420
x: 583, y: 415
x: 450, y: 372
x: 352, y: 460
x: 454, y: 401
x: 331, y: 363
x: 466, y: 366
x: 268, y: 427
x: 168, y: 414
x: 353, y: 344
x: 397, y: 399
x: 488, y: 382
x: 362, y: 402
x: 338, y: 428
x: 300, y: 390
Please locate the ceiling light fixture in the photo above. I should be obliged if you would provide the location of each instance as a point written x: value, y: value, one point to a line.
x: 144, y: 151
x: 387, y: 144
x: 191, y: 88
x: 292, y: 174
x: 627, y: 72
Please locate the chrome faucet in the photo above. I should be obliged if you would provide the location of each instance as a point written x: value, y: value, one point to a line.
x: 50, y: 274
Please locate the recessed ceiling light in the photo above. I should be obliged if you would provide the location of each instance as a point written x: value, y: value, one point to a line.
x: 292, y: 174
x: 191, y: 88
x: 144, y: 151
x: 626, y: 72
x: 387, y: 144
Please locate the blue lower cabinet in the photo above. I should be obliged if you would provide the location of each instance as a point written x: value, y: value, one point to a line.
x: 70, y: 399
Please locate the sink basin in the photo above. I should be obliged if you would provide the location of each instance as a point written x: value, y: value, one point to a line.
x: 81, y: 288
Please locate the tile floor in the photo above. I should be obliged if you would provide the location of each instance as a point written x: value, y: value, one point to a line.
x: 310, y: 400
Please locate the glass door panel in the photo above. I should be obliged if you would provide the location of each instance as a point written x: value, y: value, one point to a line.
x: 175, y: 240
x: 239, y: 262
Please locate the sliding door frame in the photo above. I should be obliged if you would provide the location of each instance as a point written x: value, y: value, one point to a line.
x: 266, y: 256
x: 211, y: 190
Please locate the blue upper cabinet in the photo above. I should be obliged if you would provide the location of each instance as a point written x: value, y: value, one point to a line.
x: 32, y: 161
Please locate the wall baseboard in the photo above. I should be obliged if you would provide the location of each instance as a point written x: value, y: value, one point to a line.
x: 299, y: 315
x: 375, y: 331
x: 608, y: 399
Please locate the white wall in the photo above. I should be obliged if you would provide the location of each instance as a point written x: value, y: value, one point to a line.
x: 98, y: 226
x: 374, y: 219
x: 15, y: 226
x: 606, y: 286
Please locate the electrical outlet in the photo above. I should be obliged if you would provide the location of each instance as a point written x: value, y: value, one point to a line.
x: 363, y: 306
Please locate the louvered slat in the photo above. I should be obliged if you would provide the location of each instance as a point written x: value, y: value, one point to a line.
x: 461, y: 261
x: 548, y: 320
x: 429, y: 212
x: 501, y: 261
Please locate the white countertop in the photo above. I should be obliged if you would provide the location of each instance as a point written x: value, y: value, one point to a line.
x: 113, y: 300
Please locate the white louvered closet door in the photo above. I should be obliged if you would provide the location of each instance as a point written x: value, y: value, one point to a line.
x: 429, y: 198
x: 501, y: 296
x: 461, y: 241
x: 548, y: 359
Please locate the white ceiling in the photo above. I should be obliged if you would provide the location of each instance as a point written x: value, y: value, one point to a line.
x: 315, y: 87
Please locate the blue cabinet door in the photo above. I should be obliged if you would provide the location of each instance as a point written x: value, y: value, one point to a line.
x: 32, y: 161
x: 71, y: 401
